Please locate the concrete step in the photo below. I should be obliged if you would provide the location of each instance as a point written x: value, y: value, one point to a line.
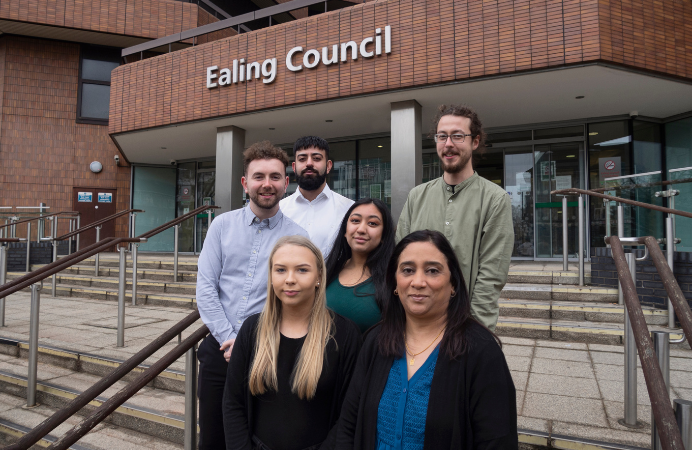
x: 575, y: 311
x: 16, y: 420
x: 568, y: 330
x: 90, y: 363
x: 546, y: 277
x: 184, y: 276
x: 186, y: 263
x: 150, y: 411
x: 529, y: 291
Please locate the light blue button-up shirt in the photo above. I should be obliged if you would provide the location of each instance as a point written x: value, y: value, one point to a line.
x: 233, y: 268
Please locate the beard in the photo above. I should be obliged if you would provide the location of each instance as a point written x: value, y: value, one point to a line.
x: 265, y: 203
x: 455, y: 167
x: 312, y: 181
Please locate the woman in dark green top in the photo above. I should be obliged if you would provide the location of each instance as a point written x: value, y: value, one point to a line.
x: 357, y: 264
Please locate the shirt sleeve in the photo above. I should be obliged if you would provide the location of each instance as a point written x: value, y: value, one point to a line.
x: 494, y: 254
x: 235, y: 394
x: 403, y: 228
x: 209, y: 267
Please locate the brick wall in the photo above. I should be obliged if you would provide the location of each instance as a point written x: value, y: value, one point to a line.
x: 433, y: 41
x: 649, y: 285
x: 43, y: 151
x: 41, y: 253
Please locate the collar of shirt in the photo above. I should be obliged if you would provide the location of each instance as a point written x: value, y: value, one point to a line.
x: 326, y: 194
x: 251, y: 218
x: 450, y: 190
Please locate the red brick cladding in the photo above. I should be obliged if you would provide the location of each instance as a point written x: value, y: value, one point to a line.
x: 43, y: 151
x: 433, y: 41
x: 141, y: 18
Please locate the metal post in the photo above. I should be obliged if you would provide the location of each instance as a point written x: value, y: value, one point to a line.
x: 208, y: 219
x: 33, y: 345
x: 96, y: 256
x: 121, y: 298
x: 28, y: 247
x: 661, y: 341
x: 606, y: 204
x: 77, y: 228
x: 69, y: 240
x: 176, y: 232
x: 621, y: 234
x: 191, y: 398
x: 53, y: 281
x: 580, y: 206
x: 670, y: 246
x: 3, y: 280
x: 630, y: 358
x: 683, y: 416
x: 135, y: 246
x: 564, y: 234
x: 41, y: 223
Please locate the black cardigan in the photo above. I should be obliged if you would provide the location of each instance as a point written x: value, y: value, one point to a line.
x: 237, y: 399
x: 472, y: 401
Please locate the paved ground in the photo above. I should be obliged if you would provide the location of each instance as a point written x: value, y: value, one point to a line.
x: 564, y: 388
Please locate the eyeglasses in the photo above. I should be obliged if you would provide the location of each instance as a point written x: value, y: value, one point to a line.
x: 457, y: 137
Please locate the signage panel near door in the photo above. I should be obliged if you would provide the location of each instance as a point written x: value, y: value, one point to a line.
x: 608, y: 168
x: 84, y: 197
x: 105, y: 197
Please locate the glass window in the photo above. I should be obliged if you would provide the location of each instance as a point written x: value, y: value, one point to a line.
x: 679, y: 144
x: 153, y: 192
x: 342, y: 178
x: 186, y: 193
x: 678, y: 157
x: 511, y: 136
x: 562, y: 132
x: 647, y: 147
x: 375, y: 169
x: 96, y: 65
x: 489, y: 165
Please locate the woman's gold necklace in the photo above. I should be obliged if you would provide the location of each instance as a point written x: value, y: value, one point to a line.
x: 413, y: 355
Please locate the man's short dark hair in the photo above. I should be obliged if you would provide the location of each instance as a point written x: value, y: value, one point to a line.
x: 461, y: 111
x: 263, y: 150
x: 311, y: 141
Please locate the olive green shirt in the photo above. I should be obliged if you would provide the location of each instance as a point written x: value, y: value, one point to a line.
x: 476, y: 217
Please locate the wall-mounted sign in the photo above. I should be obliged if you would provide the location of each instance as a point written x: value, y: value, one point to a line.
x: 84, y: 197
x: 242, y: 71
x: 105, y: 197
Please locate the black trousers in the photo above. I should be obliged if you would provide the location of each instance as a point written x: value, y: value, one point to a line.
x: 212, y: 380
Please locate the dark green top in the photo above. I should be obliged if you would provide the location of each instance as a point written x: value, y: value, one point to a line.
x: 355, y: 302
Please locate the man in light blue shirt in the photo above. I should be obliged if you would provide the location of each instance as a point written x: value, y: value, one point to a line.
x: 232, y: 276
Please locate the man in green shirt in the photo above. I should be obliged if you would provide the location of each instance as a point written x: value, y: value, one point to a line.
x: 473, y: 213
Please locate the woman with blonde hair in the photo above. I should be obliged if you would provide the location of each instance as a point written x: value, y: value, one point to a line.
x: 292, y: 363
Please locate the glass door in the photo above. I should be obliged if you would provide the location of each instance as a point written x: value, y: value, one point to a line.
x: 206, y: 183
x: 556, y: 166
x: 519, y: 186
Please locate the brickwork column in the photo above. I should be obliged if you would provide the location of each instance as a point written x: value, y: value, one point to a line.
x: 407, y: 152
x: 230, y: 143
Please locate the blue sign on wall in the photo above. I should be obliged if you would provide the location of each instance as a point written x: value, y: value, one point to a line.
x: 105, y: 197
x: 84, y: 197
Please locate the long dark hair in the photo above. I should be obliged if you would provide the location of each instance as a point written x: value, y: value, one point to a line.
x: 455, y: 341
x: 376, y: 261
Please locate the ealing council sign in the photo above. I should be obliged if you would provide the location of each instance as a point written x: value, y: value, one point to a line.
x: 240, y: 71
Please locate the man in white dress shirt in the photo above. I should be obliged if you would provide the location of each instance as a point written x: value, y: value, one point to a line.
x: 314, y: 206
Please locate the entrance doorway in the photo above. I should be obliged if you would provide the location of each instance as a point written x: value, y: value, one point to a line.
x: 557, y: 166
x: 94, y: 204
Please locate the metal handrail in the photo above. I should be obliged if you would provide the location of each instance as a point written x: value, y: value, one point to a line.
x: 99, y: 387
x: 10, y: 239
x: 643, y: 185
x: 97, y: 223
x: 72, y: 213
x: 664, y: 417
x: 575, y: 191
x: 176, y: 221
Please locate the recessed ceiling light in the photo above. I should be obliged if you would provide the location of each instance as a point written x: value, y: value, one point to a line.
x: 570, y: 156
x: 579, y: 97
x: 329, y: 120
x: 593, y: 133
x: 379, y: 146
x: 272, y: 128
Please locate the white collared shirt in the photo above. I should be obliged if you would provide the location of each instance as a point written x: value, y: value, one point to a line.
x: 321, y: 218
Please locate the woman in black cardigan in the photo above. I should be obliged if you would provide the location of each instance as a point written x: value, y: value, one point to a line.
x: 430, y: 376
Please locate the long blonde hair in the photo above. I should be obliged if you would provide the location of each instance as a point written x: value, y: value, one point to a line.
x: 308, y: 367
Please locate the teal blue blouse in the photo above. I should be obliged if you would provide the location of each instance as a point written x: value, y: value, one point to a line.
x: 355, y: 302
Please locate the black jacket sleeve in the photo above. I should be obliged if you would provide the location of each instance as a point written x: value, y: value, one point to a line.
x: 235, y: 395
x: 493, y: 400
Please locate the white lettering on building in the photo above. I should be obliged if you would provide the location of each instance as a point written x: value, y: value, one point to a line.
x: 297, y: 59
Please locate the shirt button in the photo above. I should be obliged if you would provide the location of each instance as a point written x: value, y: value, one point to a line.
x: 254, y: 251
x: 447, y: 187
x: 249, y: 274
x: 398, y: 437
x: 446, y: 223
x: 244, y: 298
x: 259, y: 231
x: 240, y: 321
x: 450, y: 200
x: 404, y: 390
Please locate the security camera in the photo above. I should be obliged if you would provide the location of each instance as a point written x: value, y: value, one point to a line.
x: 117, y: 160
x: 173, y: 162
x: 634, y: 114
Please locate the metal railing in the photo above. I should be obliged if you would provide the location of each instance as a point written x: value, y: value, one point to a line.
x: 236, y: 21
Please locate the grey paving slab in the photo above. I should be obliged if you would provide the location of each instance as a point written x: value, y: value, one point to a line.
x: 129, y: 439
x: 615, y: 359
x: 518, y: 363
x: 565, y: 386
x: 517, y: 350
x: 683, y: 393
x: 562, y: 354
x: 568, y: 409
x: 529, y: 423
x: 520, y: 379
x: 615, y: 391
x: 616, y: 411
x: 613, y: 373
x: 44, y: 372
x: 683, y: 364
x: 564, y: 368
x: 680, y: 379
x: 562, y: 345
x: 602, y: 434
x: 606, y: 348
x: 517, y: 341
